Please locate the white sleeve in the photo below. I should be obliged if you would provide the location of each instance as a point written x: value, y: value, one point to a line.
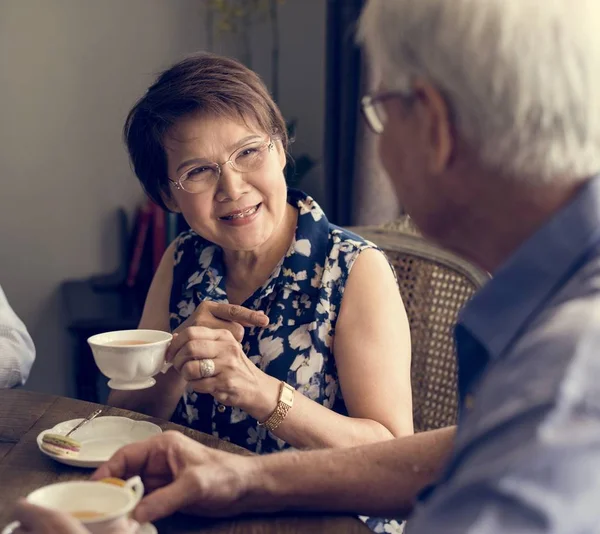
x: 17, y: 351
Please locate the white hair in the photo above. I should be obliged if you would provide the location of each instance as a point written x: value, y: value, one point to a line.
x: 522, y: 77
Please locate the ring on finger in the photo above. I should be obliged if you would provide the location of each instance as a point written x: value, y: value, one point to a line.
x: 207, y: 368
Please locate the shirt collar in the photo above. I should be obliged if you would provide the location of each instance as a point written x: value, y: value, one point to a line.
x: 300, y: 270
x: 499, y: 311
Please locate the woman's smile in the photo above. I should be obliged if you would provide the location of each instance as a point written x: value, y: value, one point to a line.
x: 241, y: 217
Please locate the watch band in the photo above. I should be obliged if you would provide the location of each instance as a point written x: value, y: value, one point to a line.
x: 286, y: 401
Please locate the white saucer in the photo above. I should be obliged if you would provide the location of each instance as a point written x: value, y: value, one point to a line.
x: 147, y: 528
x: 129, y: 386
x: 100, y: 438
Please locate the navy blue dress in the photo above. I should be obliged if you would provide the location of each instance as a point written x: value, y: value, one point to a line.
x: 302, y: 299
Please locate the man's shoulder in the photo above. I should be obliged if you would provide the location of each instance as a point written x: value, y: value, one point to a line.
x: 553, y: 363
x: 570, y: 317
x: 584, y: 282
x: 566, y: 335
x: 528, y: 439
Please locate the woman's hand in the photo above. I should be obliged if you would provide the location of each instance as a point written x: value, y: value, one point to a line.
x: 223, y: 316
x: 213, y: 362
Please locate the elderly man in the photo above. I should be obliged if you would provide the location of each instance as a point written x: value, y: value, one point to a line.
x: 17, y: 352
x: 489, y: 121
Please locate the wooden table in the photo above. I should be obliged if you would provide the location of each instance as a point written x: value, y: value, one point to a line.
x: 24, y: 414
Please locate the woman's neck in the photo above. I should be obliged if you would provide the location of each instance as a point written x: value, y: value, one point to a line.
x: 246, y: 271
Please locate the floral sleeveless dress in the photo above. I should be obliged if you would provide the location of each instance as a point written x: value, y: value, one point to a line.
x: 302, y: 299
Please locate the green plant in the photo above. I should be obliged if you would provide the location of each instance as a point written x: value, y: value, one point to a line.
x: 237, y: 18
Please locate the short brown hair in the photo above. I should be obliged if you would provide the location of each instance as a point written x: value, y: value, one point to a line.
x: 201, y: 83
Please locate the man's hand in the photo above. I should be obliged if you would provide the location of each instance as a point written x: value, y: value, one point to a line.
x: 182, y: 475
x: 380, y: 479
x: 38, y: 520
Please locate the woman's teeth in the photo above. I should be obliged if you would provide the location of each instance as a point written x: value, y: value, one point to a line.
x: 241, y: 215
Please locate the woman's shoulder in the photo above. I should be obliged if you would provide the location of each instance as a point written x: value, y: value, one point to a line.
x: 325, y: 236
x: 345, y: 247
x: 348, y: 239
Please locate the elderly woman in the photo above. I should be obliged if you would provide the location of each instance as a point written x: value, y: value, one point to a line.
x: 288, y: 329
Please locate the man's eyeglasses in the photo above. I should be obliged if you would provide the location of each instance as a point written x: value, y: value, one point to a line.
x: 373, y: 111
x: 202, y: 176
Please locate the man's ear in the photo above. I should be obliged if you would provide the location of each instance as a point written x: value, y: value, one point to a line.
x: 438, y: 129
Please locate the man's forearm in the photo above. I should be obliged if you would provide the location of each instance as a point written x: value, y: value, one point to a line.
x: 379, y: 479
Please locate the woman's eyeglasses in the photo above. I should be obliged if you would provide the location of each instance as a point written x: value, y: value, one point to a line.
x: 203, y: 176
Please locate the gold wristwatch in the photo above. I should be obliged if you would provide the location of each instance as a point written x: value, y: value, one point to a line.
x: 286, y: 400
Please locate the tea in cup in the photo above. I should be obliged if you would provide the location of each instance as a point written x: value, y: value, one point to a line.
x: 102, y: 507
x: 130, y: 358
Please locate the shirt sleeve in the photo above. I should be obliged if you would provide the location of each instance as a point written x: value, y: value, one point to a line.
x: 17, y: 352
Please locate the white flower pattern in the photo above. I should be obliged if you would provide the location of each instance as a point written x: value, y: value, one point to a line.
x: 301, y: 298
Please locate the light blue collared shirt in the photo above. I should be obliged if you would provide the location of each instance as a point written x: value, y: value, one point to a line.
x: 527, y: 452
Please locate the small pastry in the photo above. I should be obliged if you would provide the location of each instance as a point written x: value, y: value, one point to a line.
x: 60, y: 445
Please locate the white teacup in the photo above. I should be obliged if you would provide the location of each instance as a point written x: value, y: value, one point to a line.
x: 103, y: 508
x: 130, y: 358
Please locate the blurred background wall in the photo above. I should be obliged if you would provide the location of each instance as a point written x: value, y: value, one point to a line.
x: 69, y: 72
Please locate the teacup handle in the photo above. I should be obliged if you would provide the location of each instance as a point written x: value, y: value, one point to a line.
x: 11, y: 527
x: 136, y: 485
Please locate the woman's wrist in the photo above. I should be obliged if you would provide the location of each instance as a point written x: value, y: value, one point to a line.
x: 265, y: 399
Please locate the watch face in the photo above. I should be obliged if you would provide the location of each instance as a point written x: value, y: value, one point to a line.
x: 287, y: 394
